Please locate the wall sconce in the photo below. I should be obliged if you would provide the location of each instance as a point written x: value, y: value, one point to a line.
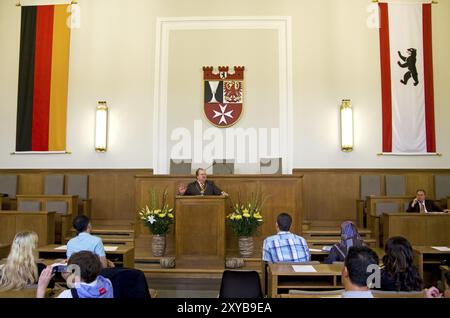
x: 346, y: 126
x: 101, y: 127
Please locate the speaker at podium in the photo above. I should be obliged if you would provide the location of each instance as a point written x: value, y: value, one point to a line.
x: 180, y: 167
x: 223, y: 166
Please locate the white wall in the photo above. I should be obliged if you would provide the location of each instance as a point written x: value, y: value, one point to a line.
x: 335, y: 56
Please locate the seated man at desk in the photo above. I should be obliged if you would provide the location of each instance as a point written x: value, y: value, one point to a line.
x: 285, y: 246
x: 421, y: 205
x: 84, y: 241
x: 201, y: 186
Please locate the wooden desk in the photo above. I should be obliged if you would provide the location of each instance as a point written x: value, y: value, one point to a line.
x: 282, y: 278
x: 200, y: 228
x: 122, y: 257
x: 12, y: 222
x: 316, y: 256
x: 374, y: 222
x: 63, y: 222
x: 428, y: 261
x: 431, y: 229
x: 321, y: 255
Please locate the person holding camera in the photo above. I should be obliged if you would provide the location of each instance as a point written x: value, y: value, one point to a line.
x: 82, y: 274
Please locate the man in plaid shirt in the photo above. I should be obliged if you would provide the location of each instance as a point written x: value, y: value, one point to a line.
x: 285, y: 246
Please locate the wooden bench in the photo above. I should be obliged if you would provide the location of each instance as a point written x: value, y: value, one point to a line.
x: 110, y: 236
x: 328, y: 234
x: 63, y: 221
x: 314, y: 243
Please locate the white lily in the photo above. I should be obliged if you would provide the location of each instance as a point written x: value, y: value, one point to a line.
x: 151, y: 219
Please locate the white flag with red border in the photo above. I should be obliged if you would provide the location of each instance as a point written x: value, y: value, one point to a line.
x: 407, y: 78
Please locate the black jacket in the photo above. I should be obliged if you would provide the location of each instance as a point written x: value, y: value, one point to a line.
x: 430, y: 205
x: 193, y: 188
x: 128, y: 283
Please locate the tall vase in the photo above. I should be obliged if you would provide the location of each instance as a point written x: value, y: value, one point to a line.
x: 158, y: 245
x: 246, y: 246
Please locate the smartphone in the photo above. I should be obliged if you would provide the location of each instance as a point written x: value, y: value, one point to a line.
x: 59, y: 269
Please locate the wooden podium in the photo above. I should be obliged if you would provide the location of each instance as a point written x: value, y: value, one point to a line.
x: 200, y: 229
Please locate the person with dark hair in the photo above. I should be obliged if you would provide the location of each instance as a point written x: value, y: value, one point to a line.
x: 398, y: 272
x: 433, y: 292
x: 421, y: 205
x: 84, y: 241
x: 201, y: 186
x: 83, y: 273
x: 349, y: 237
x: 360, y: 263
x: 285, y: 246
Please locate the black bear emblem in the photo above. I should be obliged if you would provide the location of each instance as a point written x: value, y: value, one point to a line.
x: 410, y: 63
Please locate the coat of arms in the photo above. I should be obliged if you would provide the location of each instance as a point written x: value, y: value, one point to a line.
x: 223, y: 97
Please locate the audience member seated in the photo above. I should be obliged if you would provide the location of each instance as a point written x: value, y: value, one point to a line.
x: 84, y: 241
x: 433, y: 292
x: 421, y: 205
x: 398, y: 272
x: 285, y: 246
x: 356, y: 272
x: 21, y: 269
x: 85, y: 281
x: 349, y: 237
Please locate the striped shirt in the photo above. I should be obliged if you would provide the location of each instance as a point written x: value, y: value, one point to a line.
x: 285, y: 247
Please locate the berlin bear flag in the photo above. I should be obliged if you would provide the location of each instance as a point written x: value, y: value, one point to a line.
x: 407, y: 78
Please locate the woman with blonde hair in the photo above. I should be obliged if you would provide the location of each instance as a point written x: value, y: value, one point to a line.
x: 21, y: 269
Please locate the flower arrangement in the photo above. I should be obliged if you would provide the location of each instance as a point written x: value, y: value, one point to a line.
x: 158, y: 219
x: 246, y: 217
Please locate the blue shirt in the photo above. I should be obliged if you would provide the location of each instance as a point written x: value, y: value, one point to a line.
x: 85, y: 242
x: 285, y: 247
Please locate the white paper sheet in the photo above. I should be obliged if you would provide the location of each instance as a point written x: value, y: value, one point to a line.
x: 314, y: 250
x: 111, y: 248
x: 61, y: 248
x: 441, y: 248
x: 304, y: 269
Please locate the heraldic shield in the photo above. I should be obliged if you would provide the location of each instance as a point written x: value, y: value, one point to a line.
x: 223, y: 97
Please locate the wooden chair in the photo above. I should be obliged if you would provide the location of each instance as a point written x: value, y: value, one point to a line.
x: 79, y: 185
x: 8, y: 186
x: 24, y: 293
x: 180, y: 167
x: 270, y: 166
x: 368, y: 185
x: 395, y: 185
x: 54, y: 184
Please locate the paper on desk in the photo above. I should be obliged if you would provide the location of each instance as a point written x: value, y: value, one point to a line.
x: 314, y: 250
x: 304, y: 269
x: 110, y: 248
x: 61, y: 248
x: 441, y: 248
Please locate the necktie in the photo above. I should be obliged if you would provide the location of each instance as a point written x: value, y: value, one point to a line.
x: 422, y: 208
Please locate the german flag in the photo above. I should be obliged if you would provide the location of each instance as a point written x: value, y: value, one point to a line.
x: 43, y: 78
